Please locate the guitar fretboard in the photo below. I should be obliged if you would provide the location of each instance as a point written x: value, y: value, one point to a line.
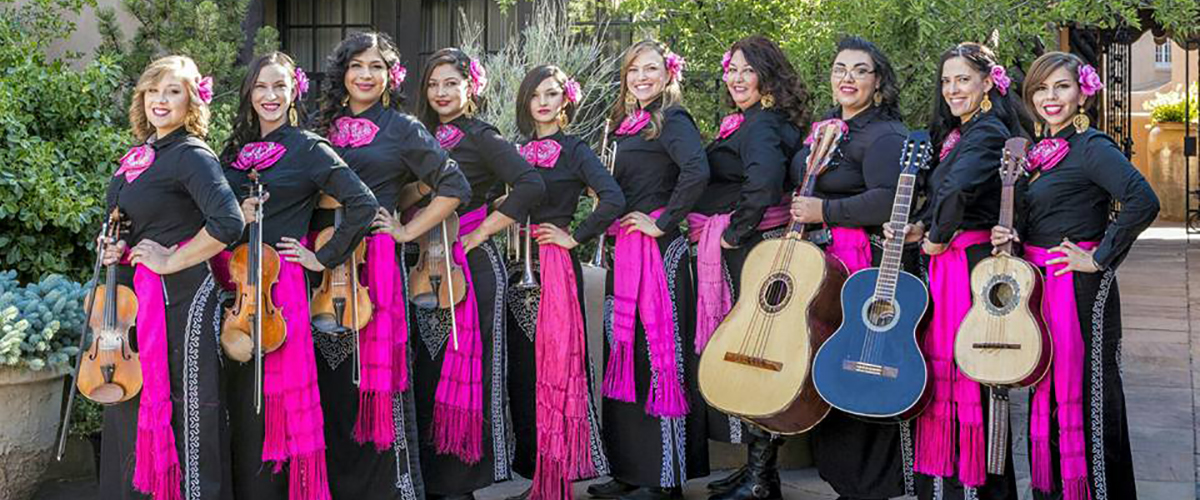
x: 893, y: 249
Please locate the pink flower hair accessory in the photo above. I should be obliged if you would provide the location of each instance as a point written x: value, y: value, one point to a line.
x: 572, y: 90
x: 675, y: 65
x: 301, y: 82
x: 478, y: 76
x: 1000, y: 78
x: 725, y: 60
x: 1089, y: 80
x: 397, y: 73
x: 204, y: 88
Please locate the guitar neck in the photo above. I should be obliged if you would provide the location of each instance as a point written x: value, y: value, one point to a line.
x: 893, y: 249
x: 1006, y: 213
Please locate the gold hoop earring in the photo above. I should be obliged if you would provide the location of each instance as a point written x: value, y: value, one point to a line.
x: 387, y: 99
x: 986, y: 105
x: 1037, y: 129
x: 630, y: 100
x: 469, y: 108
x: 1081, y: 122
x: 768, y: 101
x: 293, y: 116
x: 878, y: 97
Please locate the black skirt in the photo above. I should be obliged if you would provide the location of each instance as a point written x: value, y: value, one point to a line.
x: 193, y: 313
x: 359, y: 471
x: 1106, y: 427
x: 650, y: 451
x: 522, y: 313
x: 446, y: 475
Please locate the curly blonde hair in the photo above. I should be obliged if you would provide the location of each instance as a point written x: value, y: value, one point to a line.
x: 186, y: 70
x: 672, y: 94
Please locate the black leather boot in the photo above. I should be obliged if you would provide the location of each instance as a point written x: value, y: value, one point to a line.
x: 612, y: 489
x: 761, y: 481
x: 724, y: 484
x: 654, y: 493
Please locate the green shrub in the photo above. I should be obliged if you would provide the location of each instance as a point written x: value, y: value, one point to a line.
x: 40, y: 322
x: 1174, y: 106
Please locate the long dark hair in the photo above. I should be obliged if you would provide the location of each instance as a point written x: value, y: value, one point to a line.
x: 245, y: 124
x: 889, y: 105
x: 525, y: 122
x: 776, y: 77
x: 335, y: 79
x: 461, y: 63
x: 1007, y: 108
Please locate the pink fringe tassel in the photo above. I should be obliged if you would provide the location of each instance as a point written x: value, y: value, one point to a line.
x: 668, y: 399
x: 374, y: 422
x: 458, y: 432
x: 1077, y: 489
x: 275, y: 433
x: 935, y: 451
x: 308, y: 478
x: 618, y: 377
x: 971, y: 467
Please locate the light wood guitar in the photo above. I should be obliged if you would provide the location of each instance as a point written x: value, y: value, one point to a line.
x: 757, y: 365
x: 1001, y: 342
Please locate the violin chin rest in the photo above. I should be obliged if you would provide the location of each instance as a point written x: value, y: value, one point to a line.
x: 237, y: 346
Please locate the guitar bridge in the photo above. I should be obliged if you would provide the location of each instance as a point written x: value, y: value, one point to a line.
x: 995, y: 345
x: 870, y: 369
x: 756, y: 362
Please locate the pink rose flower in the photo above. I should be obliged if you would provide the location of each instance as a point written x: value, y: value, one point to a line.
x: 301, y: 82
x: 1001, y: 79
x: 478, y: 77
x: 1089, y: 80
x: 725, y: 60
x: 572, y: 91
x: 204, y: 89
x: 675, y: 65
x: 398, y: 73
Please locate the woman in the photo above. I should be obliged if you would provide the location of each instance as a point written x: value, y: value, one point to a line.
x: 741, y: 205
x: 654, y: 442
x: 460, y: 383
x: 977, y: 112
x: 170, y: 441
x: 369, y: 428
x: 1078, y: 439
x: 294, y: 167
x: 853, y: 200
x: 550, y: 384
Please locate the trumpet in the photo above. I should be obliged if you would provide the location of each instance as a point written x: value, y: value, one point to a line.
x: 608, y: 156
x: 528, y: 279
x: 512, y: 236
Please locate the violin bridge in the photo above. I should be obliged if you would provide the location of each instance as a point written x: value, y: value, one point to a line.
x: 755, y: 362
x: 870, y: 369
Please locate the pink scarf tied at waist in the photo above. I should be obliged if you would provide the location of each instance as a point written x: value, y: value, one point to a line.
x: 563, y: 430
x: 852, y: 246
x: 640, y: 291
x: 714, y: 298
x: 458, y: 402
x: 384, y: 345
x: 295, y: 426
x: 1066, y: 382
x: 156, y: 470
x: 955, y: 397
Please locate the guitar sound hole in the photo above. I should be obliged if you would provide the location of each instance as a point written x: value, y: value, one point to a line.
x: 775, y: 292
x: 881, y: 313
x: 1001, y: 295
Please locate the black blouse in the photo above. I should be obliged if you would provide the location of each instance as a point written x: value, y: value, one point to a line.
x: 1072, y: 199
x: 295, y: 182
x: 964, y: 189
x: 669, y: 171
x: 182, y: 192
x: 578, y: 168
x: 486, y: 158
x: 403, y: 151
x: 748, y: 170
x: 859, y: 186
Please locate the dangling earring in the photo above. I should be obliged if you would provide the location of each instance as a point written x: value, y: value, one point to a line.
x: 1081, y: 122
x: 469, y: 109
x: 986, y: 105
x: 768, y: 101
x: 293, y: 116
x: 878, y: 98
x: 563, y: 121
x: 346, y: 100
x: 387, y: 99
x: 630, y: 100
x: 1037, y: 129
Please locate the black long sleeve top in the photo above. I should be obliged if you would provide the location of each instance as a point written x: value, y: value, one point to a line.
x: 860, y: 185
x: 486, y: 159
x: 1072, y: 199
x: 963, y: 190
x: 669, y: 171
x: 577, y: 168
x: 295, y: 182
x: 748, y: 171
x: 180, y: 193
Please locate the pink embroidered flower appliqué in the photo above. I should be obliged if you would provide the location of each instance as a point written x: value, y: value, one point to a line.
x: 1047, y: 153
x: 634, y: 123
x: 730, y: 124
x: 543, y: 153
x: 136, y: 161
x: 818, y: 126
x: 448, y: 136
x: 948, y: 144
x: 352, y: 132
x: 259, y: 155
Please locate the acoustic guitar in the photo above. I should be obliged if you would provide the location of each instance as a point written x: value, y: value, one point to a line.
x: 757, y: 363
x: 1001, y: 342
x: 872, y: 367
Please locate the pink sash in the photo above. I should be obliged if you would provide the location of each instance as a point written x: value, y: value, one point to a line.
x: 640, y: 282
x: 852, y: 246
x: 384, y: 345
x: 713, y: 297
x: 1066, y: 382
x: 563, y: 430
x: 156, y: 470
x: 955, y: 397
x: 458, y: 403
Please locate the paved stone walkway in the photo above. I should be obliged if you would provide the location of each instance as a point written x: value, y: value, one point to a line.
x: 1161, y: 366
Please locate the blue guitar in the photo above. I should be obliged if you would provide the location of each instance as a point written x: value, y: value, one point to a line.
x: 872, y: 366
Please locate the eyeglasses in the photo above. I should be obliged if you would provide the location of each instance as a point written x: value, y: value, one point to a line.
x: 839, y: 73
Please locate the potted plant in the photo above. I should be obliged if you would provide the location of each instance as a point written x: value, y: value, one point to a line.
x: 39, y: 337
x: 1168, y: 112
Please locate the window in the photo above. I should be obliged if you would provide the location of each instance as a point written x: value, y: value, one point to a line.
x: 1162, y: 55
x: 442, y: 24
x: 312, y: 28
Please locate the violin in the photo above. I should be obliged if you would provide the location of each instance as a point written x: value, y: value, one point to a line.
x: 109, y: 371
x: 437, y: 282
x: 341, y: 305
x: 254, y: 326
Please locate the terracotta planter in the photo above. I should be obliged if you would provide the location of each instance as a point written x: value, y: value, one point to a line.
x: 1166, y: 172
x: 30, y: 415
